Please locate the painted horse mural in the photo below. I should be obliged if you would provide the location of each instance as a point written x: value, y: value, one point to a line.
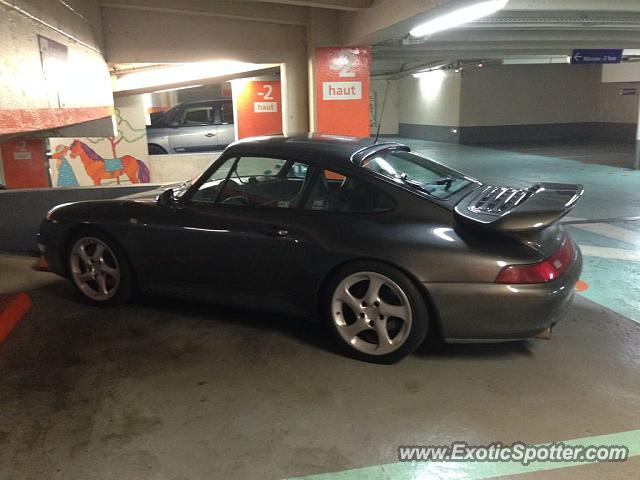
x: 99, y: 168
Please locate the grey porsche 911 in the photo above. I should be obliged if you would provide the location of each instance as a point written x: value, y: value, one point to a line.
x: 379, y: 243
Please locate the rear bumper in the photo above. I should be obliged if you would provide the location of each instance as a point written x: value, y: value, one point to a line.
x: 489, y: 311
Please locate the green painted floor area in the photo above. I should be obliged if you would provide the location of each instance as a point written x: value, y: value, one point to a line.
x: 614, y: 284
x: 477, y: 470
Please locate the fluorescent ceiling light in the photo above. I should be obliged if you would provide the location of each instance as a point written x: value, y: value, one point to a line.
x: 459, y: 17
x: 166, y: 77
x: 426, y: 71
x: 179, y: 88
x: 537, y: 60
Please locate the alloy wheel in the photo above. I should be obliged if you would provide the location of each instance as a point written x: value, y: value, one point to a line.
x: 371, y: 313
x: 95, y: 268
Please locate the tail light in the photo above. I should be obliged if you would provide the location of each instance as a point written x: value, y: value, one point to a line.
x: 541, y: 272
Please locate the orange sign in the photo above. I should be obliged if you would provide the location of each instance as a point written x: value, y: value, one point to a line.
x: 342, y: 90
x: 258, y: 108
x: 24, y: 164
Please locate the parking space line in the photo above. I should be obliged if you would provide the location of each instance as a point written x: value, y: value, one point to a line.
x: 12, y: 308
x: 577, y: 221
x: 606, y: 252
x: 479, y: 470
x: 612, y: 231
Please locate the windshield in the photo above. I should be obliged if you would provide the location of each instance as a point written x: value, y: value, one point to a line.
x: 417, y: 172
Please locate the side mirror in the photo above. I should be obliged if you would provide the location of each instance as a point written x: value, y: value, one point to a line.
x: 166, y: 198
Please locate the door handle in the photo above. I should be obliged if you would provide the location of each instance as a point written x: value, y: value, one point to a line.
x: 209, y: 135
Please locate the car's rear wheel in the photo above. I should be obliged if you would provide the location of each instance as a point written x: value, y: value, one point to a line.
x: 156, y: 150
x: 99, y: 269
x: 376, y: 311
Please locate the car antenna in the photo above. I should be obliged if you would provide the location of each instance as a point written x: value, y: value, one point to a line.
x: 384, y: 102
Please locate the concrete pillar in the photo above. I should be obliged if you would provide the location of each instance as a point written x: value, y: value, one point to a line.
x: 322, y: 32
x: 294, y: 78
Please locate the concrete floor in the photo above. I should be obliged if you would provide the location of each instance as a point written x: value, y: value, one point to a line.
x: 164, y: 389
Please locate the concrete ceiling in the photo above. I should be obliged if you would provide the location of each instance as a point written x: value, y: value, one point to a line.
x: 346, y: 5
x: 526, y: 28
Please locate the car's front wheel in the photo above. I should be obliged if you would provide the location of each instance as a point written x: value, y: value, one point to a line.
x: 99, y: 269
x: 376, y: 312
x: 156, y: 150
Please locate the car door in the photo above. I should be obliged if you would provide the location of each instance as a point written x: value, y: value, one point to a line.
x: 225, y: 123
x: 221, y: 246
x: 194, y: 129
x: 341, y: 213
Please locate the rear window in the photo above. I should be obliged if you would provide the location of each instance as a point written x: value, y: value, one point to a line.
x: 417, y: 173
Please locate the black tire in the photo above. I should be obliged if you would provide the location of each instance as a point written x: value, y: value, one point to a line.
x: 156, y: 150
x: 418, y: 314
x: 125, y: 285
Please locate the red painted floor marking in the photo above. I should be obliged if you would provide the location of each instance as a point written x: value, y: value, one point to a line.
x: 581, y: 286
x: 12, y: 308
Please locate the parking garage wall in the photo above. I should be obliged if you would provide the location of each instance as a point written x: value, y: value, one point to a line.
x: 429, y: 106
x: 68, y: 81
x: 154, y: 37
x: 384, y: 106
x: 22, y: 211
x: 543, y: 103
x: 517, y: 103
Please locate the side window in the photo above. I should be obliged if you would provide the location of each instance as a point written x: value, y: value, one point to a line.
x: 333, y: 192
x: 226, y: 112
x: 255, y: 182
x: 196, y: 116
x: 298, y: 170
x: 208, y: 191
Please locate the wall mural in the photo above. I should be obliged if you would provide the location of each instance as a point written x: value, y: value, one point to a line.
x: 104, y: 160
x: 66, y: 175
x: 99, y: 168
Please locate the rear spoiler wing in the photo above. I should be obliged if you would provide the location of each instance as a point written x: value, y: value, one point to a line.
x: 513, y: 210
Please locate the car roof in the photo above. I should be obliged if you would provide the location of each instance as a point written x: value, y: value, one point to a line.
x: 203, y: 102
x: 312, y: 146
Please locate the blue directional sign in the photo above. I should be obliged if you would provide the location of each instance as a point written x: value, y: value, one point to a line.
x: 584, y: 57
